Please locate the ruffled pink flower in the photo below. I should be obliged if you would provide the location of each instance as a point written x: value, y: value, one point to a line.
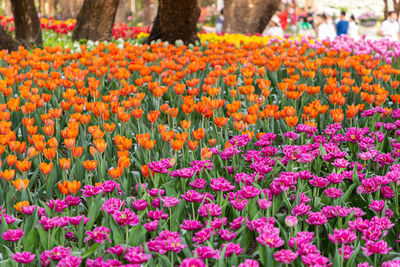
x: 316, y: 218
x: 249, y: 263
x: 347, y: 252
x: 202, y: 235
x: 192, y: 196
x: 140, y: 204
x: 227, y: 235
x: 57, y: 205
x: 285, y: 256
x: 70, y: 261
x: 301, y: 209
x: 221, y: 184
x: 116, y: 250
x: 192, y: 262
x: 151, y: 226
x: 231, y: 248
x: 137, y: 255
x: 315, y: 260
x: 291, y: 221
x: 333, y: 192
x: 379, y: 247
x: 249, y: 191
x: 206, y: 252
x: 112, y: 204
x: 99, y: 234
x: 342, y: 236
x: 210, y: 209
x: 191, y: 225
x: 170, y: 202
x: 13, y: 235
x: 126, y: 217
x: 23, y: 257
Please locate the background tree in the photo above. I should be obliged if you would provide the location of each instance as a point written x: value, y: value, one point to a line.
x: 122, y: 11
x: 248, y: 16
x: 149, y: 11
x: 27, y: 24
x: 7, y: 42
x: 70, y: 8
x: 95, y: 20
x: 176, y: 20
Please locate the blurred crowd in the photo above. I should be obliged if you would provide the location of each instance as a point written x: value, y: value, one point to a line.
x: 309, y: 22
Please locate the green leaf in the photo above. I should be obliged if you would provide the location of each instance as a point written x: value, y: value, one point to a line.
x: 30, y: 240
x: 90, y: 251
x: 137, y: 235
x: 116, y: 232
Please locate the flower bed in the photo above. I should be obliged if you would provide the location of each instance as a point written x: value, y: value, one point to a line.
x: 222, y: 154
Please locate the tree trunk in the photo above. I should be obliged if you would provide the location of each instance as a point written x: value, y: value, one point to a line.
x: 149, y: 11
x: 385, y: 9
x: 122, y: 11
x: 7, y: 9
x: 70, y: 8
x: 257, y: 15
x: 176, y: 20
x: 396, y: 7
x: 95, y: 20
x: 27, y: 25
x: 7, y: 42
x: 52, y: 8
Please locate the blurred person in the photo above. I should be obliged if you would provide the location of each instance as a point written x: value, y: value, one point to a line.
x: 310, y: 16
x: 305, y: 28
x: 219, y: 24
x: 325, y: 30
x: 283, y: 17
x: 342, y: 26
x: 390, y: 27
x: 353, y: 28
x: 273, y: 28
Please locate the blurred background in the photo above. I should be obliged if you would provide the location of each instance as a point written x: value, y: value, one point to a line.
x: 293, y: 17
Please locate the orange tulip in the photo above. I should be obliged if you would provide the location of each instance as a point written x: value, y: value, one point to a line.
x: 124, y: 161
x: 185, y: 124
x: 23, y: 166
x: 173, y: 112
x: 18, y: 206
x: 153, y: 116
x: 116, y: 172
x: 90, y: 165
x: 63, y: 187
x: 221, y: 121
x: 8, y: 174
x: 337, y: 115
x: 50, y: 153
x: 149, y: 144
x: 20, y: 184
x: 212, y: 142
x: 100, y: 145
x: 352, y: 111
x: 146, y: 171
x: 109, y: 128
x: 176, y: 144
x: 77, y: 151
x: 206, y: 153
x: 292, y: 121
x: 11, y: 160
x: 192, y: 145
x: 65, y: 163
x: 46, y: 168
x: 73, y: 187
x: 137, y: 113
x: 198, y: 134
